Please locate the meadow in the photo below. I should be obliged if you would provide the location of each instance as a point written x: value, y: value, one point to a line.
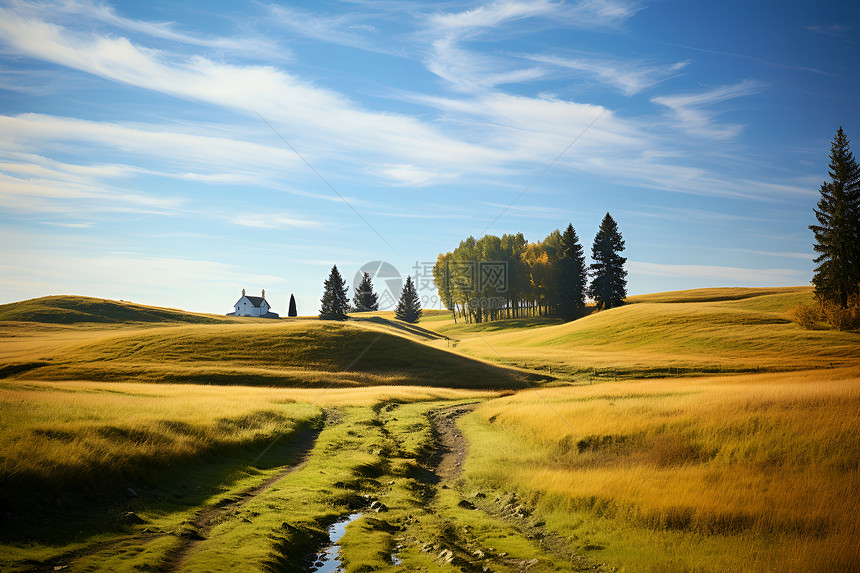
x: 238, y: 351
x: 687, y: 431
x: 712, y: 473
x: 71, y: 450
x: 707, y: 331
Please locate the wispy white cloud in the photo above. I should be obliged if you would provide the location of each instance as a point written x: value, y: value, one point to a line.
x: 490, y: 15
x: 782, y: 254
x: 273, y: 221
x: 68, y: 225
x: 31, y: 165
x: 721, y: 275
x: 341, y: 29
x: 469, y: 72
x: 414, y: 215
x: 629, y: 76
x: 584, y: 14
x: 529, y: 211
x: 314, y: 118
x: 690, y: 214
x: 800, y: 187
x: 106, y: 14
x: 177, y: 147
x: 691, y: 112
x: 33, y: 195
x: 841, y: 31
x: 484, y: 134
x: 413, y: 176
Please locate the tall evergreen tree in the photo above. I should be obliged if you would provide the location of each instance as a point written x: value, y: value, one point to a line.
x: 365, y: 299
x: 335, y: 300
x: 609, y: 283
x: 573, y: 275
x: 408, y: 307
x: 292, y: 311
x: 837, y: 235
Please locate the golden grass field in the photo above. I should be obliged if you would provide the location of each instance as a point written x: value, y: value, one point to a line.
x: 688, y: 431
x: 240, y: 351
x: 752, y: 465
x: 665, y: 334
x: 56, y: 433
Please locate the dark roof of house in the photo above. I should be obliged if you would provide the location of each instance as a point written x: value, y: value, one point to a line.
x: 255, y: 300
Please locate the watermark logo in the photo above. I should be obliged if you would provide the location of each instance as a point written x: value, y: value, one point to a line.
x: 387, y: 282
x: 480, y: 284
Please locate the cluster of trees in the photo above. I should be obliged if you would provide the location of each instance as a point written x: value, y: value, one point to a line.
x: 335, y: 301
x: 837, y: 239
x: 509, y: 277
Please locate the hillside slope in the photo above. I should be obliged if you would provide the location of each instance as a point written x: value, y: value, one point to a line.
x: 271, y: 353
x: 80, y: 309
x: 683, y: 332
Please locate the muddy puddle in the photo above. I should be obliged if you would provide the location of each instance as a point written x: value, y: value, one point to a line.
x: 328, y: 561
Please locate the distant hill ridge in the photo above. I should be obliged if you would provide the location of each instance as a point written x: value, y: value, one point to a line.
x: 81, y: 309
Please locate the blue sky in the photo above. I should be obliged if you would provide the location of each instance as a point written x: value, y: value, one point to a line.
x: 175, y: 153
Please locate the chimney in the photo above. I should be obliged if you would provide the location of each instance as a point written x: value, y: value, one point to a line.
x: 264, y: 293
x: 243, y: 292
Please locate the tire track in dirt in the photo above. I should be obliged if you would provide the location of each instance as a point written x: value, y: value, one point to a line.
x: 452, y: 448
x: 451, y: 445
x: 203, y: 522
x: 210, y: 516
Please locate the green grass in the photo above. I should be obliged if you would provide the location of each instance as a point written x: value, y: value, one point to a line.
x: 64, y: 436
x: 379, y: 451
x: 79, y: 309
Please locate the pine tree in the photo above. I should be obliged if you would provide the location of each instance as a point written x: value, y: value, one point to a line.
x: 365, y: 299
x: 408, y: 307
x: 837, y: 236
x: 609, y: 282
x: 335, y: 301
x: 573, y: 275
x: 292, y: 311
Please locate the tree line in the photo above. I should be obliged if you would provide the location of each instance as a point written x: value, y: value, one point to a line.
x: 334, y: 305
x: 508, y: 277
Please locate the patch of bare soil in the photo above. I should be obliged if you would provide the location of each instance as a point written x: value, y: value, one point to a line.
x: 451, y: 445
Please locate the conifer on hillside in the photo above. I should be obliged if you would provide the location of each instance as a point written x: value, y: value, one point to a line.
x: 609, y: 279
x: 573, y: 275
x: 365, y: 299
x: 335, y: 301
x: 837, y: 234
x: 408, y: 307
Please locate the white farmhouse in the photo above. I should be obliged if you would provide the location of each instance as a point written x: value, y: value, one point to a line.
x: 253, y: 306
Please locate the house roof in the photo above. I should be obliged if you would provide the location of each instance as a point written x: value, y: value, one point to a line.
x: 255, y: 300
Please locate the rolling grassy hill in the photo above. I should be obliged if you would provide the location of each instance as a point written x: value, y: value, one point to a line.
x: 79, y: 309
x: 683, y: 332
x: 721, y: 330
x: 752, y: 472
x: 371, y: 351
